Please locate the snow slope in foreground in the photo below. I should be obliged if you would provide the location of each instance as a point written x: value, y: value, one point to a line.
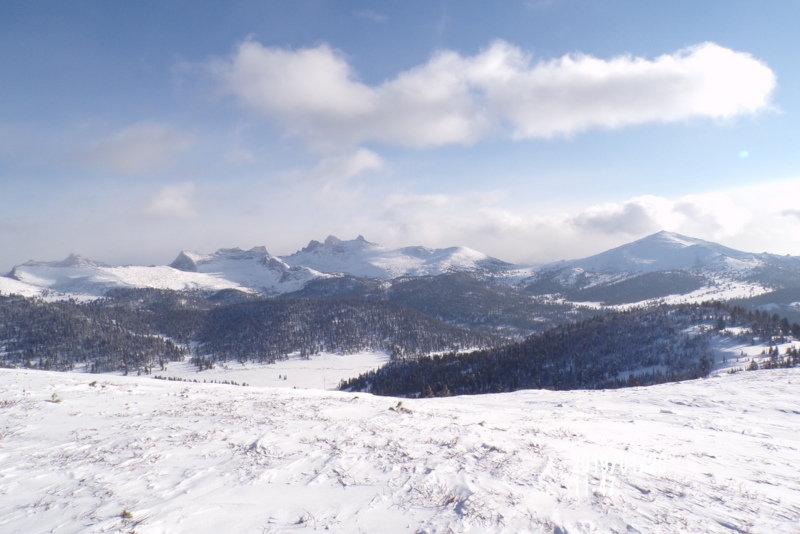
x: 715, y: 455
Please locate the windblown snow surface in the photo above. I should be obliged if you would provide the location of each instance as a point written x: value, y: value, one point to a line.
x: 102, y: 453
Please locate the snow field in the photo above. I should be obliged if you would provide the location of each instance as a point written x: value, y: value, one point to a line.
x: 321, y: 371
x: 77, y: 451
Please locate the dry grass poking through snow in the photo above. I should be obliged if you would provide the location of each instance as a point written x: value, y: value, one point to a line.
x: 127, y: 454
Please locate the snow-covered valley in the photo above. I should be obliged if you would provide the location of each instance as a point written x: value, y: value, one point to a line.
x: 321, y: 371
x: 103, y: 453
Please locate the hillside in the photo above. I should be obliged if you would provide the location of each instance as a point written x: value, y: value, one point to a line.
x: 666, y: 251
x: 618, y: 349
x: 140, y: 331
x: 92, y: 454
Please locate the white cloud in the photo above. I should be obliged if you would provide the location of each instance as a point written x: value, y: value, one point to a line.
x: 791, y: 213
x: 754, y: 218
x: 339, y: 169
x: 713, y: 215
x: 632, y: 217
x: 371, y: 15
x: 349, y: 166
x: 138, y: 149
x: 455, y: 99
x: 173, y: 201
x: 578, y: 92
x: 310, y: 83
x: 240, y: 156
x: 316, y: 94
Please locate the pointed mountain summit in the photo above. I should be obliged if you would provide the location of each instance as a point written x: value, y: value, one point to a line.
x: 664, y: 251
x: 76, y: 260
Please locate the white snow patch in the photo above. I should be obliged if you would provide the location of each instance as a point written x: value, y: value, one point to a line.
x: 732, y: 353
x: 95, y: 280
x: 361, y: 258
x: 321, y: 371
x: 9, y: 286
x: 714, y: 455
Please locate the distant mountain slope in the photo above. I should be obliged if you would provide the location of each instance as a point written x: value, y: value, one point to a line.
x: 255, y: 269
x: 456, y: 284
x: 360, y: 258
x: 469, y: 300
x: 635, y: 347
x: 271, y: 329
x: 10, y: 286
x: 666, y: 251
x: 83, y: 277
x: 139, y: 330
x: 63, y: 335
x: 642, y: 287
x: 667, y: 266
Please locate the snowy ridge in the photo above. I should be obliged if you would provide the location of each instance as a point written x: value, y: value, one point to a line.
x: 666, y: 251
x: 87, y: 453
x: 255, y: 268
x: 361, y: 258
x: 721, y: 272
x: 9, y: 286
x: 676, y: 268
x: 92, y: 279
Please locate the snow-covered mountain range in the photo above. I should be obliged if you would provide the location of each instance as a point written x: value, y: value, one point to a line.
x: 363, y: 259
x: 254, y: 270
x: 664, y: 265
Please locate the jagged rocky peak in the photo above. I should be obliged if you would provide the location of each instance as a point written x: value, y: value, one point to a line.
x: 190, y: 261
x: 312, y: 246
x: 185, y: 262
x: 238, y: 254
x: 334, y: 243
x: 75, y: 260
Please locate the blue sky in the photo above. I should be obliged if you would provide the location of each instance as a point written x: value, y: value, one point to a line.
x: 530, y: 130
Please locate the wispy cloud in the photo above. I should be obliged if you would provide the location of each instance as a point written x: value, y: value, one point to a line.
x: 240, y: 156
x: 791, y: 213
x: 454, y: 99
x: 749, y: 218
x: 138, y: 149
x: 348, y: 166
x: 173, y: 201
x: 633, y: 217
x: 369, y: 14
